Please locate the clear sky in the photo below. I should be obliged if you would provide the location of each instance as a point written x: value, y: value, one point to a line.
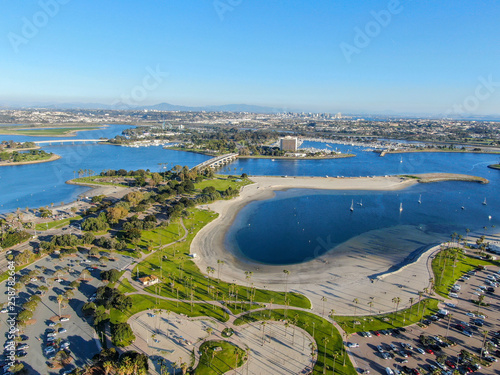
x: 417, y: 56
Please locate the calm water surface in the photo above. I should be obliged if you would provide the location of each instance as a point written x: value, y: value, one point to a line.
x: 286, y: 228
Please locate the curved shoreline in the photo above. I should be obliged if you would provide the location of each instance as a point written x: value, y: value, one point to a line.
x: 342, y: 273
x: 12, y: 164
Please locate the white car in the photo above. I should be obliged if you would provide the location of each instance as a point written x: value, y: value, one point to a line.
x: 64, y: 345
x: 388, y: 371
x: 420, y: 350
x: 4, y: 310
x: 470, y: 314
x: 64, y: 319
x: 453, y: 295
x: 352, y: 345
x: 49, y: 350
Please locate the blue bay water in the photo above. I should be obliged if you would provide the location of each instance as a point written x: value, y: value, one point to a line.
x: 41, y: 184
x: 285, y: 229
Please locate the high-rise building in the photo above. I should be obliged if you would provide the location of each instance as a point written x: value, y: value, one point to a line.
x: 289, y: 144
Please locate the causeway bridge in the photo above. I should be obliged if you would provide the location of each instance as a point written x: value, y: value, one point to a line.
x: 216, y: 162
x: 71, y: 141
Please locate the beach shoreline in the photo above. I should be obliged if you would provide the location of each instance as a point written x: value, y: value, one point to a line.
x: 369, y: 265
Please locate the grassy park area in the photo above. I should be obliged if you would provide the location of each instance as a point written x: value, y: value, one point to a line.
x: 331, y: 351
x: 141, y: 302
x: 183, y: 279
x: 221, y: 183
x: 57, y: 223
x: 219, y: 357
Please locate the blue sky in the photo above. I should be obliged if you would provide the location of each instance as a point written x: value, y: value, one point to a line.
x: 424, y: 57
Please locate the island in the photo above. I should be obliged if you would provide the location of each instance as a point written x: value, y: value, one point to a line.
x: 17, y: 153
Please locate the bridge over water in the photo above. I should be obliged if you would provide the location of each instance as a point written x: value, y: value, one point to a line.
x: 218, y: 161
x: 72, y: 141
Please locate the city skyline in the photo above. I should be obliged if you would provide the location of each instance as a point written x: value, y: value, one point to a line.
x: 375, y: 57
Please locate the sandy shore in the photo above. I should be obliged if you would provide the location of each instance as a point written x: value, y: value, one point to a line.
x: 368, y: 267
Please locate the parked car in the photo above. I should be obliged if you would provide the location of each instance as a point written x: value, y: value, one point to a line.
x: 352, y: 345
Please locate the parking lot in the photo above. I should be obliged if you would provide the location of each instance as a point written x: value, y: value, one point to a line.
x: 461, y: 312
x: 75, y: 333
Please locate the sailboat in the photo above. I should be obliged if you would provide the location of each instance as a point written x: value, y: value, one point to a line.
x: 361, y: 203
x: 352, y: 205
x: 401, y: 159
x: 484, y: 203
x: 420, y: 199
x: 401, y: 207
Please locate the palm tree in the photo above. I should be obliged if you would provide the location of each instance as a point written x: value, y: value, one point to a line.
x: 220, y: 263
x: 323, y: 299
x: 371, y: 306
x: 263, y: 324
x: 485, y: 335
x: 325, y: 342
x: 236, y: 352
x: 286, y: 273
x: 396, y: 300
x: 411, y: 299
x: 356, y: 301
x: 107, y: 366
x: 331, y: 315
x: 60, y: 299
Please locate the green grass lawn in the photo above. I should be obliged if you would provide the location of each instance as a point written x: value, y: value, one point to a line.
x: 93, y: 180
x: 142, y: 302
x: 213, y: 362
x: 403, y: 318
x: 180, y: 270
x: 222, y: 183
x: 161, y: 235
x: 323, y: 329
x: 57, y: 223
x: 446, y: 274
x: 47, y: 132
x: 125, y: 287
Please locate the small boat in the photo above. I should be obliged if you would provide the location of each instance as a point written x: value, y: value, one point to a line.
x: 489, y: 217
x: 272, y: 159
x: 400, y: 207
x: 484, y: 203
x: 420, y: 199
x: 401, y: 159
x: 463, y: 208
x: 361, y: 203
x: 352, y: 205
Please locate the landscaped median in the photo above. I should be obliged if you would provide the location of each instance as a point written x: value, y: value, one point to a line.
x: 329, y: 343
x: 450, y: 264
x: 402, y: 318
x: 183, y: 279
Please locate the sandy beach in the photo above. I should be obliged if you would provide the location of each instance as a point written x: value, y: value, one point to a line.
x: 354, y: 269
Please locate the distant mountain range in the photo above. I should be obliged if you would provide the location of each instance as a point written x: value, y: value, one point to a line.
x: 374, y: 115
